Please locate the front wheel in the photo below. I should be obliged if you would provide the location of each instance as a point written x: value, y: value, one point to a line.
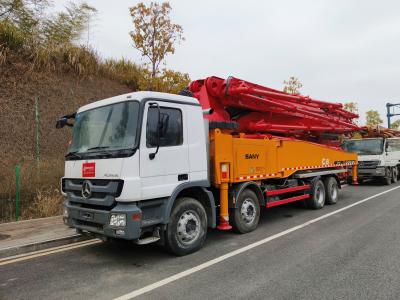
x: 187, y: 228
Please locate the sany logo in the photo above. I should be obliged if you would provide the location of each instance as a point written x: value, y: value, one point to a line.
x: 251, y: 156
x: 88, y: 169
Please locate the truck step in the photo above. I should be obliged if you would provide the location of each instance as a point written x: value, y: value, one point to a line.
x: 148, y: 240
x: 151, y: 239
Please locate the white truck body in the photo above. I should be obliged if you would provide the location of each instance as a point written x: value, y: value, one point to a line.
x: 144, y: 179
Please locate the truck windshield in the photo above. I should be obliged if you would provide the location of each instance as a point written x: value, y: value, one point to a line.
x: 111, y: 127
x: 364, y: 147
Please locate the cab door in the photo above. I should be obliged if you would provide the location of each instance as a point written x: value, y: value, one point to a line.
x: 163, y: 127
x: 393, y: 151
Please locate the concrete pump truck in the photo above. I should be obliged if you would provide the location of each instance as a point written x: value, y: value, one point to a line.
x: 148, y: 166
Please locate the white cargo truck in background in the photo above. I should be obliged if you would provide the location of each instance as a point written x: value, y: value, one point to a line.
x: 378, y: 158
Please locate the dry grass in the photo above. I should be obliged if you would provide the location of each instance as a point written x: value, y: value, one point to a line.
x: 56, y: 57
x: 46, y: 203
x: 39, y: 190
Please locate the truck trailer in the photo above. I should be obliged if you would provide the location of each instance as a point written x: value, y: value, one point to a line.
x: 157, y: 167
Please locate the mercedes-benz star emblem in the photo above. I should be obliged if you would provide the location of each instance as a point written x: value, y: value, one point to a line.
x: 86, y: 189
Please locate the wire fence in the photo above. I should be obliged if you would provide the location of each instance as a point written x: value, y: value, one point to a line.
x: 31, y: 190
x: 29, y: 180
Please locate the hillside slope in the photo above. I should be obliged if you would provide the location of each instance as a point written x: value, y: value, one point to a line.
x: 58, y: 94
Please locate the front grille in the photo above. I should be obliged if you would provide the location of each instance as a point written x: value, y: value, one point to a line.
x: 102, y: 191
x: 368, y: 164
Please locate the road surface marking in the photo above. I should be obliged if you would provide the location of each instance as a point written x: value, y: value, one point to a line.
x: 22, y: 257
x: 219, y: 259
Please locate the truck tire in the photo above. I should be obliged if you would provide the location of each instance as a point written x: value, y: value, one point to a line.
x: 395, y: 174
x: 331, y: 190
x: 187, y: 228
x: 387, y: 180
x: 317, y: 197
x: 245, y: 217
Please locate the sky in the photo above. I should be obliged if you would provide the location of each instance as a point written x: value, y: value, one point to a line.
x: 341, y: 50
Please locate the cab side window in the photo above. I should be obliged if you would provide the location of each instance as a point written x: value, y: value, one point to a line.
x: 170, y: 129
x: 393, y: 145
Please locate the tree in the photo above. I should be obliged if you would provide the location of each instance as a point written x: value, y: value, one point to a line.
x: 395, y: 125
x: 351, y: 107
x: 373, y: 118
x: 68, y: 26
x: 154, y: 35
x: 168, y: 81
x: 292, y: 86
x: 29, y: 17
x: 26, y: 14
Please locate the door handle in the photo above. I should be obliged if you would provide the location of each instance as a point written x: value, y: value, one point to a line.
x: 182, y: 177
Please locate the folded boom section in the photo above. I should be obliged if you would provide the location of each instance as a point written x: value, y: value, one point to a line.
x: 259, y: 109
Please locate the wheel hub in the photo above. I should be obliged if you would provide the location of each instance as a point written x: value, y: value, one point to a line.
x: 248, y: 211
x: 188, y: 227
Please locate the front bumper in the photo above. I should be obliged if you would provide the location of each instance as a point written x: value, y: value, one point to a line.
x: 370, y: 173
x: 97, y: 221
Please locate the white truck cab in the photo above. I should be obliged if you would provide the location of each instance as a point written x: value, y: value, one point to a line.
x: 378, y: 158
x: 122, y: 175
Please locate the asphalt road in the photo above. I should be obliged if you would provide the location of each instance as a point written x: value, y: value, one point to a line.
x: 351, y: 254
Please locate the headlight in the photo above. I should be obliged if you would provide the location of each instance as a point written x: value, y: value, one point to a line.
x: 65, y: 213
x: 118, y: 220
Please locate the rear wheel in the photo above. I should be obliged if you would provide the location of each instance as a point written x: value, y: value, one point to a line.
x: 331, y: 190
x: 317, y: 197
x: 246, y: 215
x: 187, y: 229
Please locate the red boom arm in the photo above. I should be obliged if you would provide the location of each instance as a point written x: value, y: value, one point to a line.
x: 259, y: 109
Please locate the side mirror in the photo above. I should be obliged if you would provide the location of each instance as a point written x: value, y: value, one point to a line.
x: 61, y: 123
x: 64, y: 121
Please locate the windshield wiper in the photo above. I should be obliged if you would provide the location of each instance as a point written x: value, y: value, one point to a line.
x: 98, y: 148
x: 73, y: 154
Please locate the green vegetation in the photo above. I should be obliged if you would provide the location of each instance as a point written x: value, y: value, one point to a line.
x: 396, y: 125
x: 373, y: 118
x: 351, y: 107
x: 49, y: 42
x: 292, y: 86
